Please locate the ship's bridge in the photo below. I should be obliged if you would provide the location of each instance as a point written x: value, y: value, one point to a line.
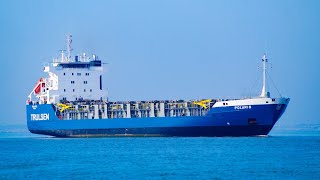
x: 93, y: 63
x: 70, y: 78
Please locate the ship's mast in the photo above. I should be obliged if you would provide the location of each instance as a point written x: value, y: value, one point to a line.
x: 264, y: 92
x: 69, y: 49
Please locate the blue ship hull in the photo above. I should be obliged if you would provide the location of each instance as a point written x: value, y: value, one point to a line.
x: 197, y: 131
x: 222, y: 121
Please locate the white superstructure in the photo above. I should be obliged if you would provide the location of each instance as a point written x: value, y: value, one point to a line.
x: 70, y: 79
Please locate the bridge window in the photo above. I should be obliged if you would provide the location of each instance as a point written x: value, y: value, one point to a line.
x: 90, y: 90
x: 84, y: 90
x: 72, y: 74
x: 72, y: 90
x: 85, y: 82
x: 64, y: 90
x: 72, y: 82
x: 87, y: 74
x: 64, y: 74
x: 100, y: 82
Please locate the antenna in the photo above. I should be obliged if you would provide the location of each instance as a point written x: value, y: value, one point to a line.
x: 62, y: 55
x: 69, y: 49
x: 264, y: 92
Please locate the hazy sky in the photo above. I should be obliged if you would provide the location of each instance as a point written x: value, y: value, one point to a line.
x: 168, y: 49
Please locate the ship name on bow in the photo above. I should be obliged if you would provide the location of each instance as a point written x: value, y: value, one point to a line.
x: 242, y: 107
x: 39, y: 117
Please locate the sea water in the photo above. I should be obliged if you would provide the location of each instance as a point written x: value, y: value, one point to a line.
x: 279, y: 156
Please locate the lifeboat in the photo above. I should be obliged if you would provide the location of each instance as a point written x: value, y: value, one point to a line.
x: 38, y: 86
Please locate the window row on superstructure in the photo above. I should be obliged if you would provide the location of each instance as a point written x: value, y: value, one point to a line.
x: 73, y: 90
x: 78, y: 74
x: 84, y: 82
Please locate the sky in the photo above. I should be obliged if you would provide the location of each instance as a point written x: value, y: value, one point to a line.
x: 168, y: 49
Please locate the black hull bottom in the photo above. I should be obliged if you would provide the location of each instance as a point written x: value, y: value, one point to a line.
x: 212, y: 131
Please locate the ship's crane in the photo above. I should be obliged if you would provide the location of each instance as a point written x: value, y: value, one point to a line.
x: 63, y: 107
x: 203, y: 103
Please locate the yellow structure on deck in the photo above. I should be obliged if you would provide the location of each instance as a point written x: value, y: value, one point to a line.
x: 203, y: 103
x: 63, y: 107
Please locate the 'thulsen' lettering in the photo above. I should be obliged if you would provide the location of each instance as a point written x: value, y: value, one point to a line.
x: 39, y: 117
x: 242, y: 107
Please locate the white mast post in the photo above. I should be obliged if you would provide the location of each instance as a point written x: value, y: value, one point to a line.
x: 264, y: 92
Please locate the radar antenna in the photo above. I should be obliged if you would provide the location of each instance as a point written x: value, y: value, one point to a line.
x: 69, y: 49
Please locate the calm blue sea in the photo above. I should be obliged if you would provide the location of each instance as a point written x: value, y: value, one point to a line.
x: 282, y: 155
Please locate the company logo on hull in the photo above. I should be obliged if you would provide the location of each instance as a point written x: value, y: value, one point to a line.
x: 39, y: 117
x: 34, y: 107
x: 242, y: 107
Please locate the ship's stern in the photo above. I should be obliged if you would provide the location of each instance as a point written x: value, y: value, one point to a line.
x: 40, y: 117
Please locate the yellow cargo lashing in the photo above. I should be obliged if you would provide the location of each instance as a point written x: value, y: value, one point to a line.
x: 63, y: 107
x: 203, y: 103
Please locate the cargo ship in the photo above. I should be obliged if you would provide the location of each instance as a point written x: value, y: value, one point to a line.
x: 71, y: 102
